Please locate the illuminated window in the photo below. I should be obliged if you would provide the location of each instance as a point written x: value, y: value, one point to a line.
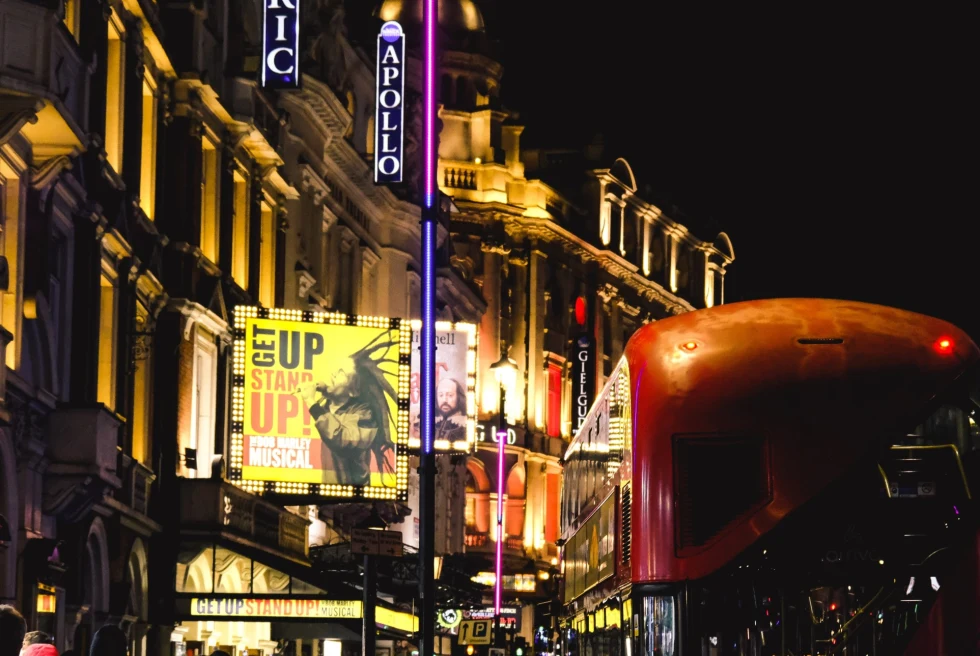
x: 142, y: 389
x: 554, y: 383
x: 210, y: 231
x: 267, y: 257
x: 115, y: 93
x: 369, y: 136
x: 148, y: 167
x: 239, y: 231
x: 11, y: 236
x: 71, y: 17
x: 470, y: 512
x: 203, y: 403
x: 553, y: 499
x: 107, y: 343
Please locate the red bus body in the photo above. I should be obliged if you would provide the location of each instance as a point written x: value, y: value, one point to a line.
x: 752, y: 427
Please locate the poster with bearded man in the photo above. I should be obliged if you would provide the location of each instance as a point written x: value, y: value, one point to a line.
x: 452, y: 380
x: 321, y: 402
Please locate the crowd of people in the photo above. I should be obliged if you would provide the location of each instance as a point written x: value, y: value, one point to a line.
x: 16, y: 640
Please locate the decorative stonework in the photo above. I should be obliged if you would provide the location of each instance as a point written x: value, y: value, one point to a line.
x: 304, y: 283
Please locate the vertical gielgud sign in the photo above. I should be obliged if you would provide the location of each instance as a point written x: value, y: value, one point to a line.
x: 389, y: 133
x: 280, y: 43
x: 583, y: 380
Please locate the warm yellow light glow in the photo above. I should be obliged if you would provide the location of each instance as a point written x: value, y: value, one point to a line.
x: 210, y: 226
x: 115, y: 93
x: 369, y: 136
x: 477, y: 160
x: 11, y: 238
x: 107, y: 344
x: 267, y: 257
x: 148, y: 167
x: 239, y: 231
x: 71, y: 17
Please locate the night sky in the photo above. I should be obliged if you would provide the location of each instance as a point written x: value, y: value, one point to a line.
x: 837, y: 150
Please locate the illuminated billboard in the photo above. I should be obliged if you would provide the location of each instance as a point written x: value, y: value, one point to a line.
x: 455, y: 413
x: 319, y: 404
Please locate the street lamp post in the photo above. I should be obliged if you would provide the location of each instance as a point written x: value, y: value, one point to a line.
x: 369, y: 628
x: 430, y: 211
x: 505, y: 371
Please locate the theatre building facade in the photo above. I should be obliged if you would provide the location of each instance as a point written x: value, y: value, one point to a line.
x: 149, y: 187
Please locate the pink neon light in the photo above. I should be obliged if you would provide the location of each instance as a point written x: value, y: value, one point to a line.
x: 501, y: 443
x: 430, y: 100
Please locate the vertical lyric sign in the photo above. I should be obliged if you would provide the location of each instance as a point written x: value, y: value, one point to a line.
x: 389, y: 102
x: 280, y: 44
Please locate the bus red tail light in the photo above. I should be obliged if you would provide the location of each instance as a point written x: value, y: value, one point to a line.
x: 943, y: 345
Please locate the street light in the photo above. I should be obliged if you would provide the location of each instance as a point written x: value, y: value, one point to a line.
x: 505, y: 371
x: 373, y: 522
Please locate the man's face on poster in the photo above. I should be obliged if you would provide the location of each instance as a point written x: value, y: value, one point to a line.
x: 343, y: 381
x: 446, y: 397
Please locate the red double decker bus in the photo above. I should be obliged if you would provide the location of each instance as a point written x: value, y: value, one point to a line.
x: 777, y: 477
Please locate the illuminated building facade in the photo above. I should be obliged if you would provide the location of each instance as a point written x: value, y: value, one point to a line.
x: 149, y: 185
x: 561, y: 245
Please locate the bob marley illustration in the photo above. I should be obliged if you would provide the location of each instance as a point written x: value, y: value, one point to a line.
x: 352, y: 414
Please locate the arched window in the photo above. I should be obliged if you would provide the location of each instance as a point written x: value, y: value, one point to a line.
x: 515, y: 503
x: 477, y: 514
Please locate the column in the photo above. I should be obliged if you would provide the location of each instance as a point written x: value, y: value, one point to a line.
x: 368, y: 294
x: 518, y: 328
x: 493, y: 259
x: 536, y: 376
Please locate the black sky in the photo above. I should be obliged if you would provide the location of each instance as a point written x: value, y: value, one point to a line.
x: 838, y: 150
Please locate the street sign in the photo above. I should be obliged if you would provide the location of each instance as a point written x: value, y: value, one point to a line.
x: 365, y: 542
x: 389, y: 543
x: 474, y: 632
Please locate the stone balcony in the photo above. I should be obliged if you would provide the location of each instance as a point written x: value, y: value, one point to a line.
x: 216, y: 509
x: 43, y: 80
x: 84, y: 459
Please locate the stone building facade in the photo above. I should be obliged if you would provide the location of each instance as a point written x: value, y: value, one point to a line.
x: 148, y: 185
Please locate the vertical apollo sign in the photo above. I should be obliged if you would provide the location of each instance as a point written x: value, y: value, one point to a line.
x: 583, y: 380
x: 280, y: 44
x: 389, y: 101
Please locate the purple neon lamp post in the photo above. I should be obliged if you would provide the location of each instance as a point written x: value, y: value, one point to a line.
x: 505, y: 371
x: 430, y: 139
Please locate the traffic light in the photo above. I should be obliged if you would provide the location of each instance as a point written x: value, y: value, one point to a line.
x: 520, y: 646
x: 469, y: 650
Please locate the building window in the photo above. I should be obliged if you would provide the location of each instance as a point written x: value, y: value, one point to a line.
x: 267, y: 257
x: 210, y: 230
x: 107, y: 342
x: 239, y: 231
x: 71, y: 17
x: 142, y: 389
x: 554, y: 389
x: 115, y: 92
x: 553, y: 500
x: 148, y: 166
x: 11, y: 239
x: 204, y: 383
x: 369, y: 137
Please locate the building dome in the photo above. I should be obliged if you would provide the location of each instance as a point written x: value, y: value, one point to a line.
x: 454, y: 15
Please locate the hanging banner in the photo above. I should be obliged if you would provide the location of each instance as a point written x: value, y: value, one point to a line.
x: 583, y: 380
x: 280, y: 44
x: 319, y: 404
x: 389, y: 103
x: 455, y: 413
